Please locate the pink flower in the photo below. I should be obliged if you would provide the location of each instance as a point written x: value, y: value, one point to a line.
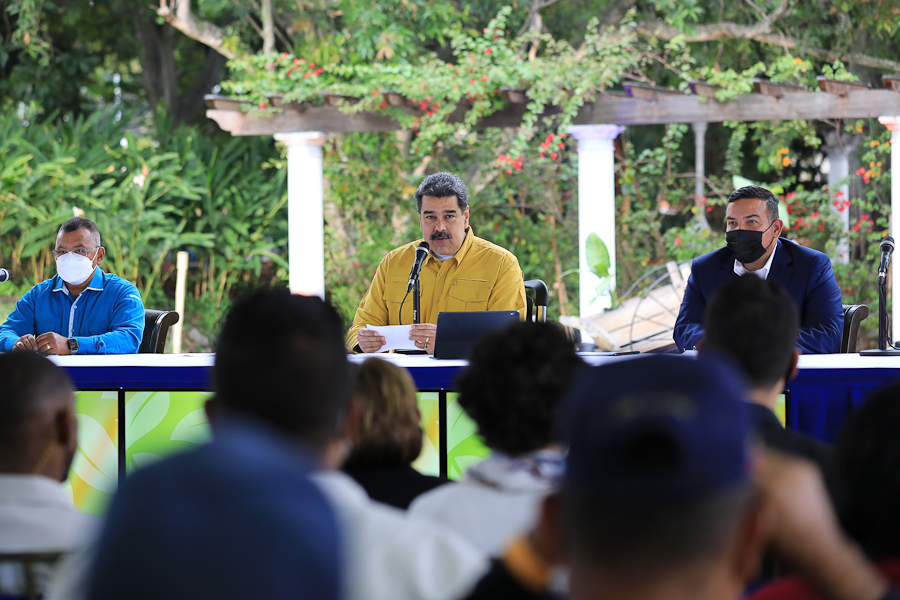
x: 678, y: 241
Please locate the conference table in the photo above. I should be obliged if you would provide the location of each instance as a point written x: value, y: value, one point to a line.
x: 133, y: 409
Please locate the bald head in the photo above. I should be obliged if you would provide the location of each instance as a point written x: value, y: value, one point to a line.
x: 37, y: 416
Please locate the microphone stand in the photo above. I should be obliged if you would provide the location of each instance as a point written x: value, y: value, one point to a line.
x: 883, y: 325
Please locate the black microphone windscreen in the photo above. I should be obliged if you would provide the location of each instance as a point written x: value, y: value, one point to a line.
x: 887, y: 242
x: 423, y: 246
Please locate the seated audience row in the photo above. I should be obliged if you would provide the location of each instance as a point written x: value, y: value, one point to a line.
x: 645, y: 477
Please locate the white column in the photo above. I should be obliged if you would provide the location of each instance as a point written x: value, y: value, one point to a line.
x: 306, y: 221
x: 838, y: 150
x: 596, y: 207
x: 893, y: 124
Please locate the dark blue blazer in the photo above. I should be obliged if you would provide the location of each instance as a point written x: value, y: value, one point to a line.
x: 807, y: 276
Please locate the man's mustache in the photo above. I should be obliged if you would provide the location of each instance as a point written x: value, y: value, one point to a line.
x: 441, y: 235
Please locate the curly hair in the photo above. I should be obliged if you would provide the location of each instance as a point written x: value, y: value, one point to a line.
x: 389, y: 432
x: 514, y: 385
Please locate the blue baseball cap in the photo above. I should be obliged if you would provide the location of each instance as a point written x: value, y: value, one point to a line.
x: 658, y: 429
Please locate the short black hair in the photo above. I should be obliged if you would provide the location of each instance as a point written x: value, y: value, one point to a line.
x: 76, y: 223
x: 657, y: 536
x: 28, y: 379
x: 514, y: 385
x: 755, y: 323
x: 280, y: 358
x: 442, y: 185
x: 755, y: 191
x: 867, y: 460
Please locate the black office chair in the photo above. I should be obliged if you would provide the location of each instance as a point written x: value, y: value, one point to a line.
x: 854, y: 314
x: 537, y: 308
x: 156, y: 328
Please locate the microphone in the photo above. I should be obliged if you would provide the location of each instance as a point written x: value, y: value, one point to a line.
x: 421, y: 255
x: 4, y: 275
x: 887, y: 248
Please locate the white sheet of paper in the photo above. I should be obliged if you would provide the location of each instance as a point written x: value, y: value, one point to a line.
x: 396, y: 337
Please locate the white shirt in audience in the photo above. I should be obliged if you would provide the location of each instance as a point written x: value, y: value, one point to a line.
x: 497, y: 499
x: 36, y: 515
x: 391, y: 555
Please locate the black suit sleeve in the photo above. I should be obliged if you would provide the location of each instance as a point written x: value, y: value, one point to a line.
x: 499, y: 584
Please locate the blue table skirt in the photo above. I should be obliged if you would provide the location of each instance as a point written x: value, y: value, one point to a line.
x: 819, y: 399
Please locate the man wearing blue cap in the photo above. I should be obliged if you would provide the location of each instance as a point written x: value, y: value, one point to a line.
x: 667, y: 495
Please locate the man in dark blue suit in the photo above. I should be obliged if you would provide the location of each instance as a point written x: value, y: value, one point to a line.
x: 753, y: 247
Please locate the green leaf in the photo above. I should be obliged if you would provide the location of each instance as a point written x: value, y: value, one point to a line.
x: 597, y: 255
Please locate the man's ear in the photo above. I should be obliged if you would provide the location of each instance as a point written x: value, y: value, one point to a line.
x: 793, y: 370
x: 547, y: 535
x: 100, y: 254
x: 749, y: 541
x: 211, y: 408
x: 354, y: 413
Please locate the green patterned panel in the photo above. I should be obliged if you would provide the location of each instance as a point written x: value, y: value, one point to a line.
x: 464, y: 445
x: 162, y: 423
x: 95, y: 471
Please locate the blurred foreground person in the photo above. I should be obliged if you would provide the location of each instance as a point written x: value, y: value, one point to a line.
x: 867, y: 461
x: 512, y: 389
x: 280, y: 365
x: 239, y: 517
x: 755, y: 323
x: 388, y: 436
x: 38, y: 438
x: 666, y: 496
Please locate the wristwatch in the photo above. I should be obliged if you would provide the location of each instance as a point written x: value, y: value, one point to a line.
x: 73, y: 345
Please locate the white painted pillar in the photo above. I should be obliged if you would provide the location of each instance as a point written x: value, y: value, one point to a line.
x: 306, y: 220
x: 893, y: 124
x: 596, y: 207
x: 838, y: 150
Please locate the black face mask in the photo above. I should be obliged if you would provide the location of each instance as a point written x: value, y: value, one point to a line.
x: 746, y: 244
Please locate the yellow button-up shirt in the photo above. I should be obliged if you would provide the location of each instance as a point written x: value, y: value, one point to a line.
x: 480, y: 276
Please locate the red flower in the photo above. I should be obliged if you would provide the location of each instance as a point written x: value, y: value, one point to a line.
x: 509, y: 171
x: 487, y: 50
x: 553, y: 155
x: 562, y: 146
x: 861, y: 171
x: 678, y: 240
x: 422, y: 106
x: 384, y: 105
x: 484, y: 78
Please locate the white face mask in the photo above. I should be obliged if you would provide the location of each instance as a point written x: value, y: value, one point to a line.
x: 74, y: 269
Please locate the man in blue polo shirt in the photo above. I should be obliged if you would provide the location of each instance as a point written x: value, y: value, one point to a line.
x: 82, y: 309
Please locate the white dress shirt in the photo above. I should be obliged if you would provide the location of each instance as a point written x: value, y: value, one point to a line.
x: 36, y: 515
x: 391, y: 555
x: 761, y: 273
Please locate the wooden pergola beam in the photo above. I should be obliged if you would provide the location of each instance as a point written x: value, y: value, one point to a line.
x: 857, y: 104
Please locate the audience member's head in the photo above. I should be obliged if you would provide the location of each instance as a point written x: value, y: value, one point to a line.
x: 280, y: 359
x: 658, y: 492
x: 514, y: 385
x: 755, y: 323
x: 867, y: 457
x: 388, y: 432
x: 38, y: 428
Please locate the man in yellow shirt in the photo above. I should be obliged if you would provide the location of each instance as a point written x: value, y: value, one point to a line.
x: 461, y: 271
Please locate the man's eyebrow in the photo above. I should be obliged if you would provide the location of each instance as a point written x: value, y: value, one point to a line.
x: 751, y: 216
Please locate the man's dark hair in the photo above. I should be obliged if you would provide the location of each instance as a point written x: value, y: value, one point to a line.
x: 754, y: 191
x: 442, y: 185
x: 28, y: 380
x: 755, y: 323
x: 514, y: 384
x: 656, y: 535
x: 867, y: 459
x: 280, y: 358
x: 76, y: 223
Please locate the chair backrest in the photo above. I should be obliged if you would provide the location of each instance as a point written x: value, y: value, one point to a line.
x: 26, y: 575
x: 537, y: 307
x: 156, y: 328
x: 854, y: 314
